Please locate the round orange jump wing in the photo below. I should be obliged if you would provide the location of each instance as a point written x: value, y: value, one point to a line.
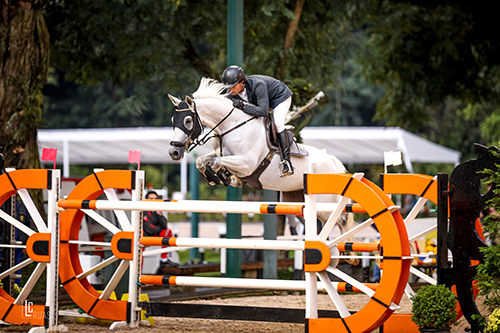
x: 79, y: 289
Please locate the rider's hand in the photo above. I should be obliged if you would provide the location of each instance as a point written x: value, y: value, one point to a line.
x: 238, y: 103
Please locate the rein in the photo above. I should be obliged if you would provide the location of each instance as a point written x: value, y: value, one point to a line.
x: 206, y: 137
x: 202, y: 141
x: 237, y: 126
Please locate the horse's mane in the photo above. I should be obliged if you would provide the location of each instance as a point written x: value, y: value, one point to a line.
x: 210, y: 88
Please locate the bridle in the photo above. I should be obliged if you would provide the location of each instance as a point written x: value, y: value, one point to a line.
x: 193, y: 134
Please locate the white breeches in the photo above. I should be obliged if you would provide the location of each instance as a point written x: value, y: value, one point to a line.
x: 279, y: 114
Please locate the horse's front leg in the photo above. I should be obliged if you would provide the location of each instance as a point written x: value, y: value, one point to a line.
x: 204, y: 165
x: 208, y: 159
x: 238, y: 165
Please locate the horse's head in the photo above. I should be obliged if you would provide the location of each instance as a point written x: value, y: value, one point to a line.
x: 187, y: 127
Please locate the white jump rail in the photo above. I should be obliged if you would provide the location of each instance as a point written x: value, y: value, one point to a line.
x: 199, y: 206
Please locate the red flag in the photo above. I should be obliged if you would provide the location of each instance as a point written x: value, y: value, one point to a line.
x: 49, y: 154
x: 134, y: 156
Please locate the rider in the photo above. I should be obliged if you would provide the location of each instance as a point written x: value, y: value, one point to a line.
x: 258, y: 95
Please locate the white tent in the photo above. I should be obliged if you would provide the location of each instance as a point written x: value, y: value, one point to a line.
x: 352, y: 145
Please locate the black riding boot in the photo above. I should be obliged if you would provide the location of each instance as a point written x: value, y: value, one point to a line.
x: 286, y: 167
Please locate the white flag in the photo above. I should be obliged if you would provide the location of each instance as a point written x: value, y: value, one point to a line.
x: 392, y: 158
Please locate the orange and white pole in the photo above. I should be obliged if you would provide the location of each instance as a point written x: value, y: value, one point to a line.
x: 203, y: 206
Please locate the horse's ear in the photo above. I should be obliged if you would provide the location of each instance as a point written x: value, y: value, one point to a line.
x: 174, y: 100
x: 190, y: 102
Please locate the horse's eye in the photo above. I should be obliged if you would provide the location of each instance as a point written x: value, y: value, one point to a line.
x: 188, y: 123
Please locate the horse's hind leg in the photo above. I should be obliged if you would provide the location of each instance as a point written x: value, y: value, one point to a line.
x: 298, y: 196
x: 295, y: 196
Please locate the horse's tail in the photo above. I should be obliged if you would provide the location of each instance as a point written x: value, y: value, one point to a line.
x: 338, y: 164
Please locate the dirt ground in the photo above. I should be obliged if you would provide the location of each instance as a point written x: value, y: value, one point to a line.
x: 177, y: 325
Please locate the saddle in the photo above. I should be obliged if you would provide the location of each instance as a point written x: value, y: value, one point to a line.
x: 271, y: 137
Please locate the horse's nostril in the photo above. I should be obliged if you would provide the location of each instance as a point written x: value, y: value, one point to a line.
x: 176, y: 154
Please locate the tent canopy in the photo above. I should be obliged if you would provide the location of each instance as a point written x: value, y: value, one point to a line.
x: 355, y: 145
x: 352, y: 145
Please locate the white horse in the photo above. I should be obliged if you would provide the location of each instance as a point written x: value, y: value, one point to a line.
x: 240, y: 143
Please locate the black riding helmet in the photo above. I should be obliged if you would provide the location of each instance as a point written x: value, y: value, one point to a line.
x: 233, y: 75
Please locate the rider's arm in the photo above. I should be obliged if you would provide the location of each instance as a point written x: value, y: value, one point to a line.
x: 262, y: 107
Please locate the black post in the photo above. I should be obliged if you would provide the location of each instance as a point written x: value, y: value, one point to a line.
x: 8, y: 260
x: 442, y: 230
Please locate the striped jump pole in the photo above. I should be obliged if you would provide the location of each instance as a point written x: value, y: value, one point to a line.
x: 266, y: 284
x: 205, y: 206
x: 256, y: 244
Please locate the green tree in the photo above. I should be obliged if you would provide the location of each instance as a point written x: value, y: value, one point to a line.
x: 133, y: 59
x: 488, y: 272
x: 429, y: 55
x: 24, y: 64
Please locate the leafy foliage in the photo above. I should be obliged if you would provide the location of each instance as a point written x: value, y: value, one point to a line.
x: 115, y: 61
x: 351, y: 102
x: 69, y: 105
x: 133, y: 52
x: 493, y: 325
x: 488, y: 272
x: 427, y: 54
x: 433, y: 60
x: 143, y: 40
x: 432, y: 67
x: 434, y: 307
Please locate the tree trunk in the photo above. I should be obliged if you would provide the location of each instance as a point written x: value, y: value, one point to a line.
x: 290, y: 33
x: 24, y: 65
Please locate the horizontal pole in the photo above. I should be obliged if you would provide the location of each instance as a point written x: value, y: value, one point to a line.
x: 203, y: 206
x: 202, y: 281
x: 358, y: 247
x: 200, y: 206
x: 90, y: 243
x: 223, y: 243
x: 13, y: 246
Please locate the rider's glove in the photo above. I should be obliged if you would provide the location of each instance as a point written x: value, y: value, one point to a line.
x: 238, y: 103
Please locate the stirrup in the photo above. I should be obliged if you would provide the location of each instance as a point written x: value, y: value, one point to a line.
x: 285, y: 168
